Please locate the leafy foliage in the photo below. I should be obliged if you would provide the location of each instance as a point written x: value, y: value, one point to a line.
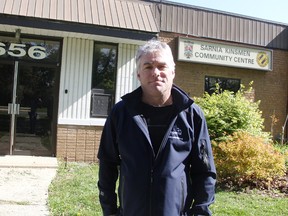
x: 244, y: 154
x: 245, y: 158
x: 283, y: 149
x: 227, y: 112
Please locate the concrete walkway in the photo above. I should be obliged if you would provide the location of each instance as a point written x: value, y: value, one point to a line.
x: 24, y: 183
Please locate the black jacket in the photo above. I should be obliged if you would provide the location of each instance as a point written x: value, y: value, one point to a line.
x: 178, y: 180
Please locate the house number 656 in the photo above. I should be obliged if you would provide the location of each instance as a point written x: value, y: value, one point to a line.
x: 19, y: 50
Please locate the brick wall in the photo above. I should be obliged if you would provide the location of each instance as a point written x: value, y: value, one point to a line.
x: 271, y: 87
x: 78, y: 143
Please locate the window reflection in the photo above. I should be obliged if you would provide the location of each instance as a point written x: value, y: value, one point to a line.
x: 224, y: 84
x: 103, y: 79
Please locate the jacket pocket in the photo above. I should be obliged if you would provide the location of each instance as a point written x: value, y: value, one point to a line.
x: 204, y: 154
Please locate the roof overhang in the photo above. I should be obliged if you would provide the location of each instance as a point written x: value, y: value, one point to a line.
x: 124, y: 19
x: 69, y: 29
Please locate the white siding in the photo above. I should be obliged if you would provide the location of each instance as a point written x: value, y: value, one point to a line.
x: 76, y: 75
x: 77, y: 56
x: 126, y: 75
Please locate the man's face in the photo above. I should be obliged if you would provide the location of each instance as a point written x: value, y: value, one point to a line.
x: 156, y: 74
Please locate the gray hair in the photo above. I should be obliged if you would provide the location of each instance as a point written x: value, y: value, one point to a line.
x: 151, y: 46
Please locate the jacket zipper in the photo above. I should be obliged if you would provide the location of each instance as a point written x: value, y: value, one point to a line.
x: 165, y: 138
x: 155, y: 158
x: 151, y: 194
x: 182, y: 196
x: 140, y: 123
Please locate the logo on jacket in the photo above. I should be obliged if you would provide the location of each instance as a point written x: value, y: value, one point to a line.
x: 176, y: 133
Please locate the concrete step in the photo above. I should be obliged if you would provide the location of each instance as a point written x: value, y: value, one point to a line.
x: 21, y: 161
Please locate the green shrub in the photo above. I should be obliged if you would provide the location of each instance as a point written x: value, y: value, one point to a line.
x: 244, y: 154
x: 227, y: 112
x: 283, y: 149
x: 246, y: 159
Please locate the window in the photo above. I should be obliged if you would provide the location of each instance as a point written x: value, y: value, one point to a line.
x: 224, y: 84
x: 103, y: 79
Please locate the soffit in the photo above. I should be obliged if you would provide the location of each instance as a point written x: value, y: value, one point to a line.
x: 123, y: 14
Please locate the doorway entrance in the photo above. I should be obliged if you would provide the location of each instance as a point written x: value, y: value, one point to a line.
x: 29, y: 85
x: 35, y: 109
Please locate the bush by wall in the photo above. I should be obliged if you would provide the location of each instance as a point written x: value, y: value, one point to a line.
x: 246, y: 159
x: 244, y: 153
x: 228, y: 112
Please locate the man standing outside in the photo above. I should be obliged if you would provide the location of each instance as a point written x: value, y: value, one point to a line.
x: 156, y: 142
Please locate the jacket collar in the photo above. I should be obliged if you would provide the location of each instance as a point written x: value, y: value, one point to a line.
x: 180, y: 99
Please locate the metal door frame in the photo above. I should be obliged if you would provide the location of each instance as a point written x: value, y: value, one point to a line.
x: 13, y: 108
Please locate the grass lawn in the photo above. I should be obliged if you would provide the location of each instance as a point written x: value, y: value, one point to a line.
x: 74, y: 192
x: 242, y: 204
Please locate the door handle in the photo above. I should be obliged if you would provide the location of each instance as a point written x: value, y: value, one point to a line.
x: 9, y: 108
x: 13, y: 108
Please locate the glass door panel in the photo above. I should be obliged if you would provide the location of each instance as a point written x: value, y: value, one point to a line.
x: 35, y: 123
x: 6, y: 88
x: 35, y: 94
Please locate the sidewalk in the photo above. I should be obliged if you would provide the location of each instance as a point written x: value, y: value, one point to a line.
x: 24, y: 183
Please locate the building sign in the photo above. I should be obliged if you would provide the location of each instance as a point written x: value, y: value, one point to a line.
x: 220, y: 54
x: 46, y: 51
x: 20, y: 50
